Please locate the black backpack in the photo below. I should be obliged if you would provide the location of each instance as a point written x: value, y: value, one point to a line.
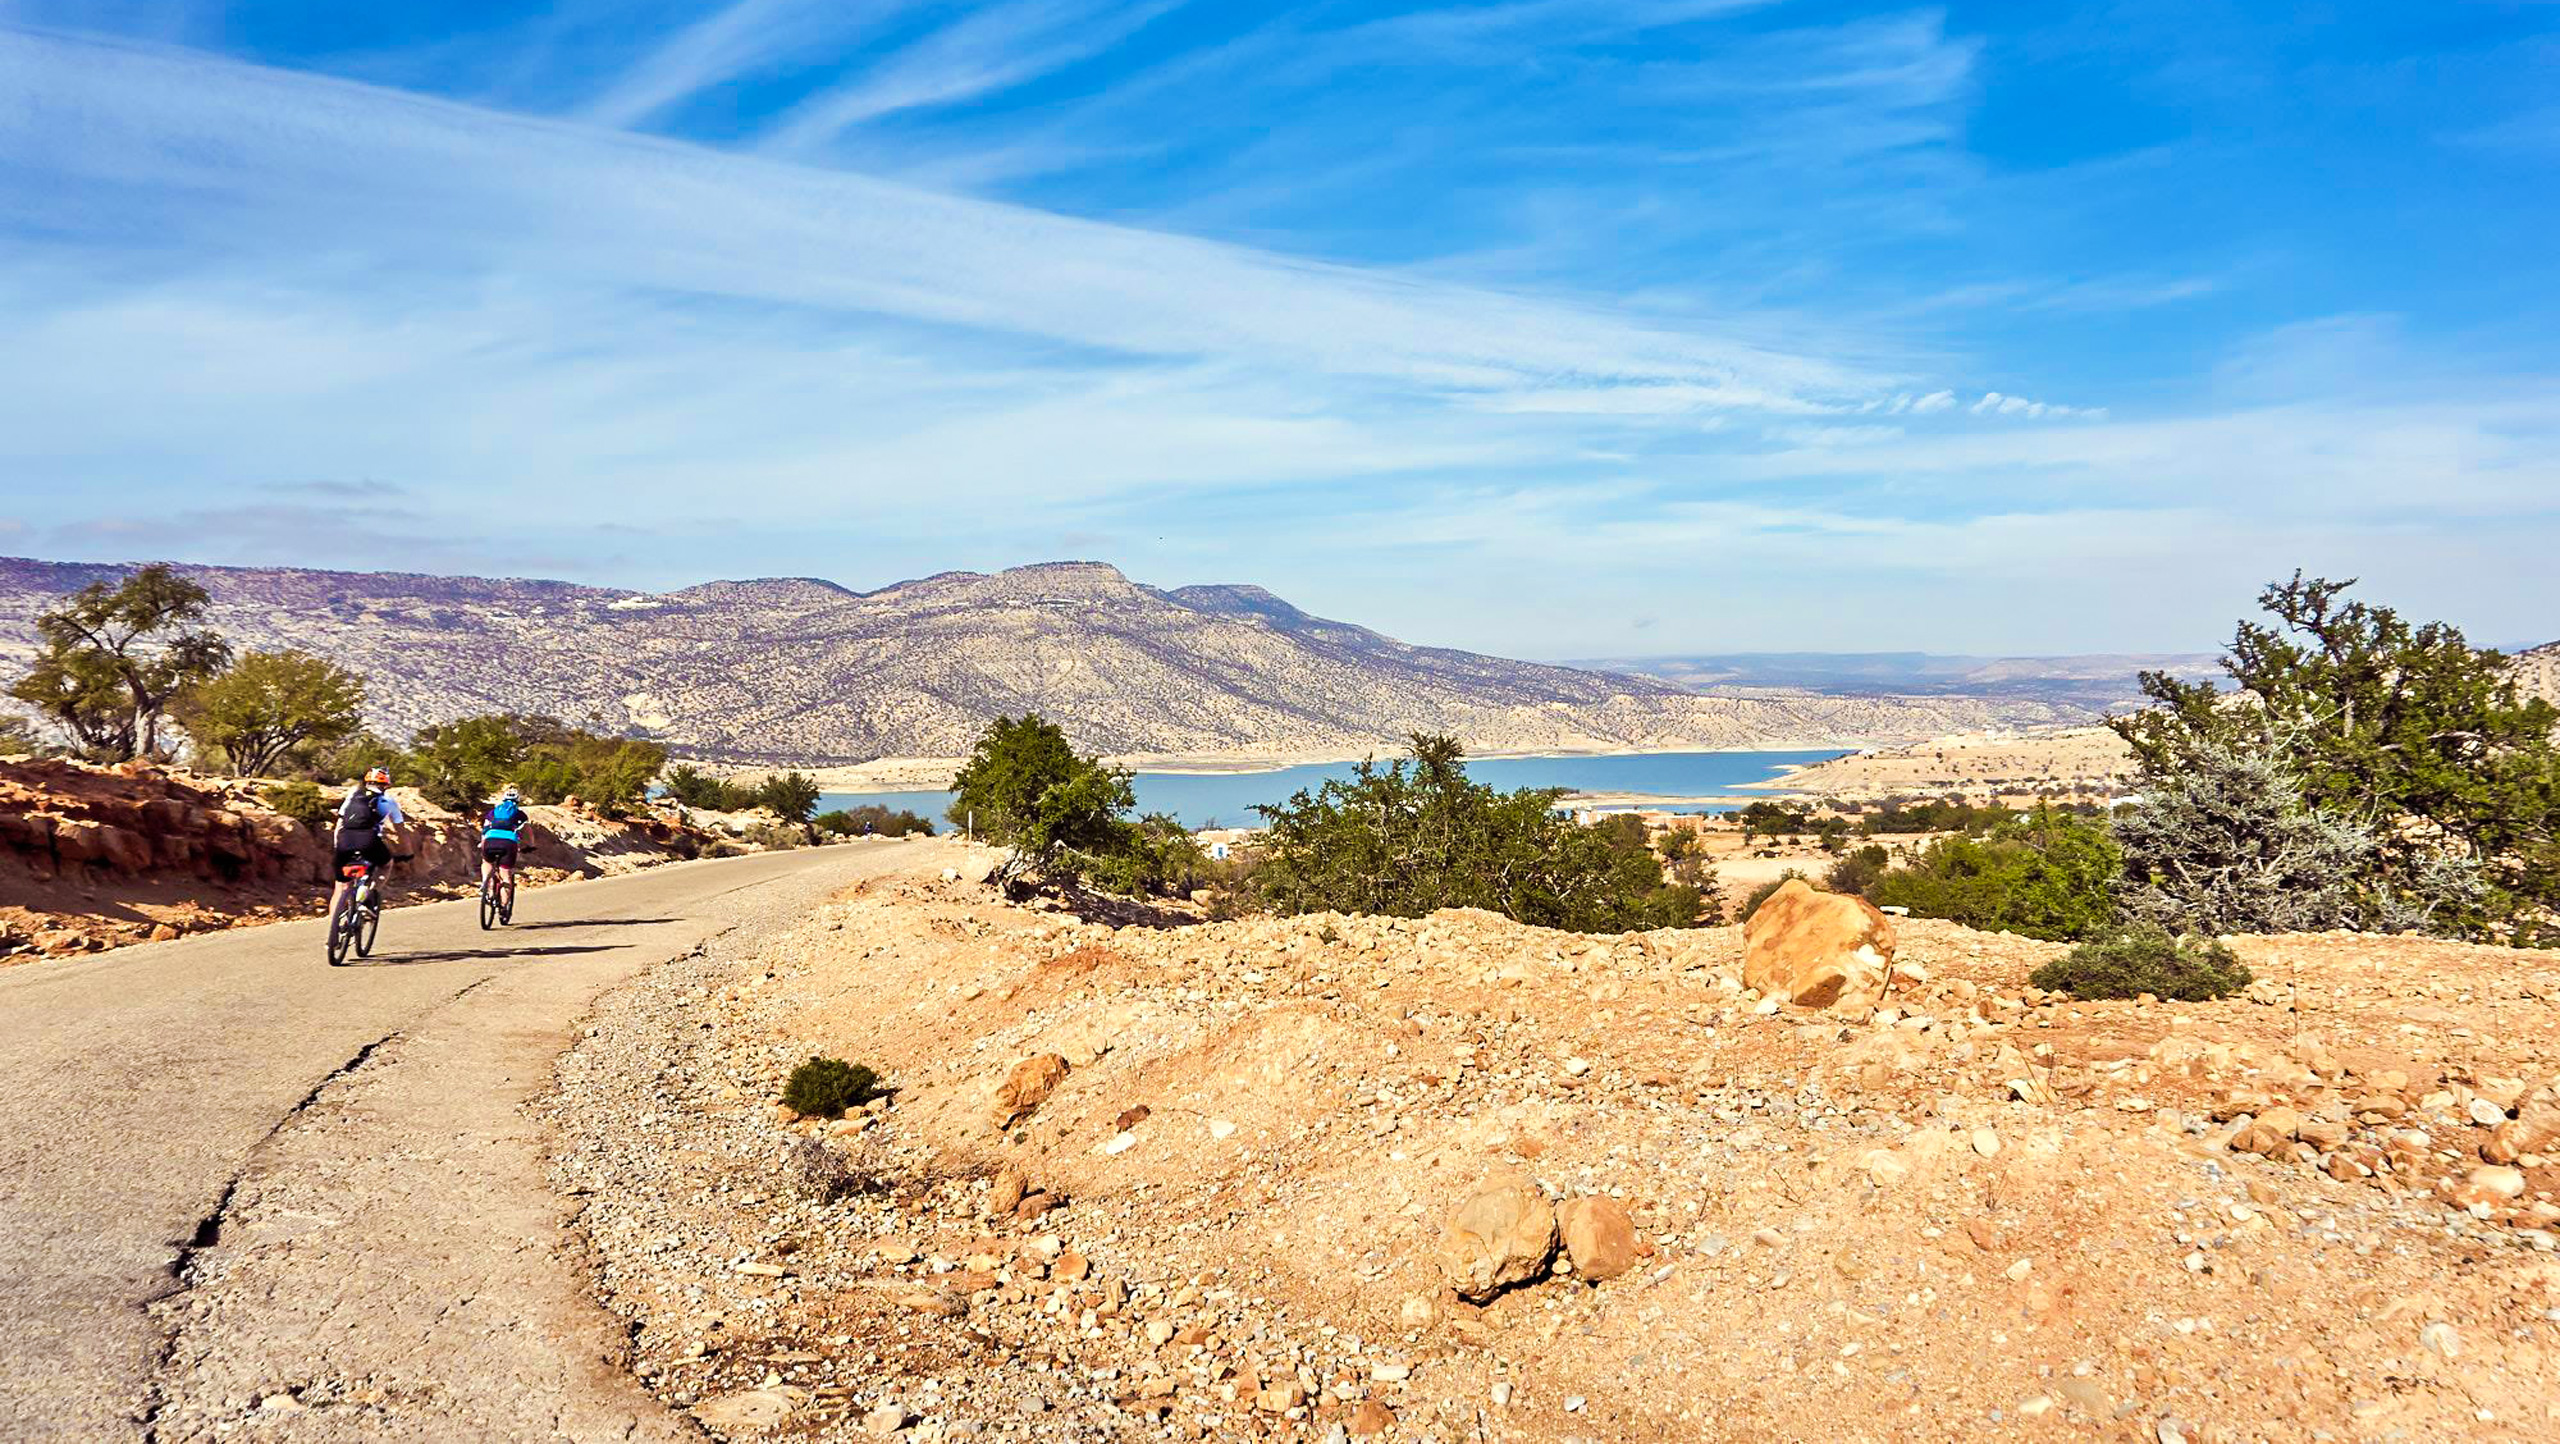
x: 361, y: 814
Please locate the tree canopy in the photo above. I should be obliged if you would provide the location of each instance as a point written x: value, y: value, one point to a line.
x: 2406, y: 730
x: 112, y: 658
x: 267, y: 705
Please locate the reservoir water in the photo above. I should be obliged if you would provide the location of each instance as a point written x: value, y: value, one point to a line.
x: 1666, y: 781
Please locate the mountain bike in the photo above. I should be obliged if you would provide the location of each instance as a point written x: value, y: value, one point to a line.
x: 355, y: 925
x: 498, y: 896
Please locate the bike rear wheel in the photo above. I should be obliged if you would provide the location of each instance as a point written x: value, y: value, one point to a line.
x: 341, y: 933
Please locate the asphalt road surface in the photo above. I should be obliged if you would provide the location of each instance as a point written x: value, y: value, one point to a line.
x: 146, y: 1093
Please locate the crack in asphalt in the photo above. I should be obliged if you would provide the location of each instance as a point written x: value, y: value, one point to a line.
x: 208, y: 1230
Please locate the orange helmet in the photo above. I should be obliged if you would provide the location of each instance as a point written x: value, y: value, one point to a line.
x: 378, y: 777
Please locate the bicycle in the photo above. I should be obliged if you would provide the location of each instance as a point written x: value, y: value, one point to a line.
x: 355, y: 925
x: 498, y: 896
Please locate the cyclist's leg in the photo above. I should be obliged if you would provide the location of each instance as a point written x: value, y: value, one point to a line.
x: 379, y: 855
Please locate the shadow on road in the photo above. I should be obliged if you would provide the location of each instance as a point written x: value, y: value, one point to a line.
x: 456, y: 955
x: 585, y: 923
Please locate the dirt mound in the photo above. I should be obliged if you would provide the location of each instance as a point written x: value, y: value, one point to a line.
x: 1977, y: 1206
x: 94, y: 857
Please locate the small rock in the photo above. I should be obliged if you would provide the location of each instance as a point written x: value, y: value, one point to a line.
x: 1502, y: 1394
x: 1027, y: 1087
x: 1504, y: 1234
x: 2439, y: 1339
x: 885, y: 1419
x: 1371, y: 1418
x: 2486, y: 1113
x: 751, y: 1409
x: 1986, y: 1142
x: 1009, y: 1189
x: 1119, y: 1143
x: 1220, y: 1128
x: 1599, y: 1236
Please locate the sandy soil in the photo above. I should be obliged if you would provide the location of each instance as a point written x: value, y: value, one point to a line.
x: 2015, y: 767
x: 1980, y: 1209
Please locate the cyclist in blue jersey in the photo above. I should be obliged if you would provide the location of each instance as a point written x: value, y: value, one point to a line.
x: 502, y: 832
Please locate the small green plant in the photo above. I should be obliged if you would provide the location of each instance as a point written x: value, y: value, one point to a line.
x: 825, y: 1087
x: 2146, y: 958
x: 1758, y: 895
x: 300, y: 801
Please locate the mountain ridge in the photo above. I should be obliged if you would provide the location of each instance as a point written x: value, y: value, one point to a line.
x: 805, y: 671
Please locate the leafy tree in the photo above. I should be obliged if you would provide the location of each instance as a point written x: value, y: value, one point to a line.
x: 694, y: 787
x: 2227, y: 844
x: 269, y: 704
x: 1752, y: 900
x: 1418, y: 835
x: 19, y: 739
x: 2405, y: 729
x: 354, y: 757
x: 792, y: 796
x: 850, y: 821
x: 2047, y: 877
x: 1030, y: 790
x: 1858, y: 870
x: 113, y: 657
x: 462, y: 763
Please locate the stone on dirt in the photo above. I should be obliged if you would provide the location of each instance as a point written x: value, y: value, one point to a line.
x: 1817, y: 949
x: 1504, y: 1234
x: 1599, y: 1235
x: 1028, y: 1086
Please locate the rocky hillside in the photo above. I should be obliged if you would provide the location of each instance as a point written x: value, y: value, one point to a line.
x: 802, y: 671
x: 2538, y: 671
x: 1454, y: 1178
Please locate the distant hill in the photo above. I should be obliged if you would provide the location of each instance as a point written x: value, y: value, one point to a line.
x: 804, y: 671
x: 2538, y: 671
x: 2089, y: 683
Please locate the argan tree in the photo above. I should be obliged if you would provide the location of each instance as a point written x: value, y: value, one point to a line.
x: 113, y: 658
x: 267, y: 705
x: 2406, y: 730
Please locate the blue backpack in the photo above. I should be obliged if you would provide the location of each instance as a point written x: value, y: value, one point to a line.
x: 504, y: 819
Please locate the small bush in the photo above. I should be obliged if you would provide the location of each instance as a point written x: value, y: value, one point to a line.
x: 825, y: 1087
x: 776, y: 836
x: 2145, y: 958
x: 817, y: 1172
x: 1858, y: 869
x: 1762, y: 893
x: 300, y: 801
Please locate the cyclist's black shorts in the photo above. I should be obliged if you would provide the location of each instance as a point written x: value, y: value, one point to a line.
x: 376, y: 852
x: 498, y: 851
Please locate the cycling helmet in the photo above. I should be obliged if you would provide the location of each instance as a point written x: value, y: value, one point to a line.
x: 378, y: 777
x: 511, y: 794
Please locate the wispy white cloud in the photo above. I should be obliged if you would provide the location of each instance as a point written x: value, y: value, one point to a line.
x: 737, y: 39
x: 316, y: 163
x: 985, y: 51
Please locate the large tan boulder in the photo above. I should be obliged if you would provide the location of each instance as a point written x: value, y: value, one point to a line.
x: 1504, y: 1234
x: 1817, y: 949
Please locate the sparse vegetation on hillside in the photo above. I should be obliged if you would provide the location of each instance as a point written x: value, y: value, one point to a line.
x: 114, y: 657
x: 267, y: 708
x: 1417, y: 835
x: 2404, y: 732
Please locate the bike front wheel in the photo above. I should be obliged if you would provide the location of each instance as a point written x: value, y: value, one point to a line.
x: 342, y: 933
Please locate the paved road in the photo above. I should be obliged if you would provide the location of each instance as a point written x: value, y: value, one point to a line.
x: 141, y: 1090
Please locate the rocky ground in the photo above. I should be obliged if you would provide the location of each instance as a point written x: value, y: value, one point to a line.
x: 1218, y: 1181
x: 96, y: 857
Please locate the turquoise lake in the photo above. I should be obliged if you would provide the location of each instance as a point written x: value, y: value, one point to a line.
x: 1227, y: 799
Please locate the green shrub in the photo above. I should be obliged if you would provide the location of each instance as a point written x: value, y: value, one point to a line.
x: 300, y: 801
x: 2046, y: 877
x: 2145, y: 958
x: 850, y: 821
x: 1751, y: 902
x: 1858, y: 870
x: 1418, y: 834
x: 825, y: 1087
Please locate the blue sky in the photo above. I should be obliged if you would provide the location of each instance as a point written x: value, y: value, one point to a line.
x: 1549, y: 327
